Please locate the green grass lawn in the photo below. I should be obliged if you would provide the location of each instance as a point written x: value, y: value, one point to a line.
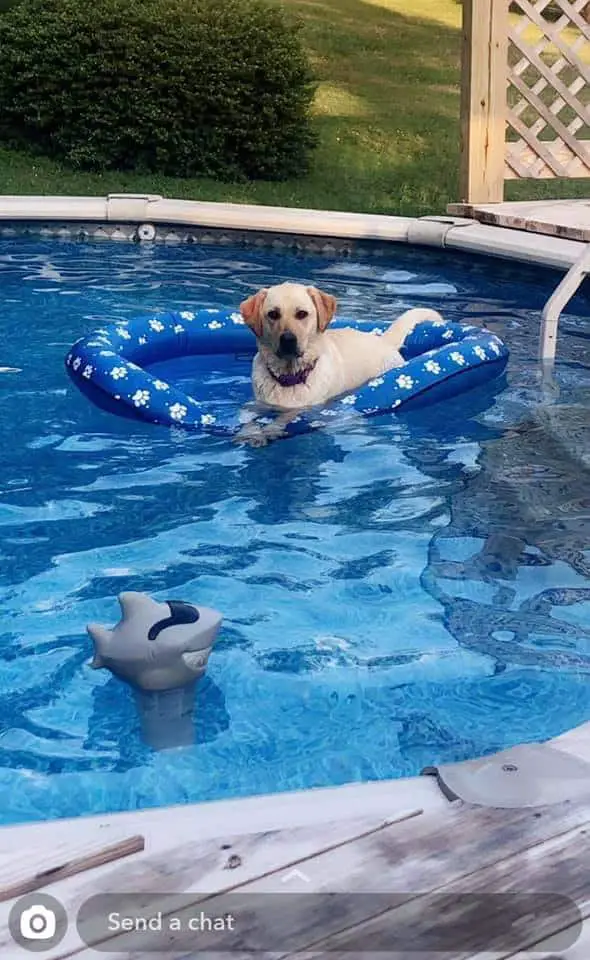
x: 387, y: 110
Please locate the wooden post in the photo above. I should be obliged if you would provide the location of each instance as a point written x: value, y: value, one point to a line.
x: 483, y: 100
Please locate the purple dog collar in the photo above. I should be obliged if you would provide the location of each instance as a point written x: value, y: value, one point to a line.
x: 293, y: 379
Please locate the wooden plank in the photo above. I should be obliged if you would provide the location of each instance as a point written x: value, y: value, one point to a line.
x: 549, y: 949
x: 569, y: 219
x: 420, y: 927
x: 20, y: 860
x: 483, y: 100
x: 62, y: 869
x: 407, y: 859
x: 204, y: 868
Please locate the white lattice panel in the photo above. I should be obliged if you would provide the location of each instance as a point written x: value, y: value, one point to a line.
x: 548, y: 113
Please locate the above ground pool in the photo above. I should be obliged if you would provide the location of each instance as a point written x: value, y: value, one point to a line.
x: 397, y: 592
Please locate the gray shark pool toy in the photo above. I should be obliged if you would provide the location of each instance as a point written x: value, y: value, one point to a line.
x: 161, y: 650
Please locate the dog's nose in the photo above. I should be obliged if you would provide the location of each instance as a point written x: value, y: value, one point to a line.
x: 288, y: 345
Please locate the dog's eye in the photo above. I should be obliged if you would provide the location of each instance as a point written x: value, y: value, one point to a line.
x: 274, y: 314
x: 301, y: 314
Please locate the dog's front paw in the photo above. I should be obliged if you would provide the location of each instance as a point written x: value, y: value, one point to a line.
x: 251, y: 436
x: 254, y: 441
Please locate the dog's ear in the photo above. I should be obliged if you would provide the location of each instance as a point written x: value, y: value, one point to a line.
x: 251, y: 311
x: 325, y: 305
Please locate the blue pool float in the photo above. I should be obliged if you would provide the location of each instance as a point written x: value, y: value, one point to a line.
x: 110, y: 366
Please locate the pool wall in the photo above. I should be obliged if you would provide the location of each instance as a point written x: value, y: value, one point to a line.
x: 150, y: 217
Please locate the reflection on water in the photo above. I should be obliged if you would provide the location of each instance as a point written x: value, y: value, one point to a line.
x: 398, y: 593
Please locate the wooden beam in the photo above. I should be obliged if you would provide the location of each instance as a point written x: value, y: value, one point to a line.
x: 69, y: 868
x: 483, y: 100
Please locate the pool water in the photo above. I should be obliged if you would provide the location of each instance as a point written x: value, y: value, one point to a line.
x: 400, y: 592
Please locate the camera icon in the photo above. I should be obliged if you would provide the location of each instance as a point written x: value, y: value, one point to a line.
x: 38, y: 923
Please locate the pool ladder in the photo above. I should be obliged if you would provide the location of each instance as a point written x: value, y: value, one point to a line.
x: 556, y: 303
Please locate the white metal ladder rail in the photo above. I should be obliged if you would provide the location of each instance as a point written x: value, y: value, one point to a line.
x: 556, y: 303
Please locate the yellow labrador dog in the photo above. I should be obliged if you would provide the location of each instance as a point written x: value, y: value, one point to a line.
x: 300, y: 363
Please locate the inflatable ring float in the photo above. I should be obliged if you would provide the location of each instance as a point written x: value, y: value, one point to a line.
x: 111, y: 367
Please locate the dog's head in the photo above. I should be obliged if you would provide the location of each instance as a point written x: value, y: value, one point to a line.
x: 288, y: 319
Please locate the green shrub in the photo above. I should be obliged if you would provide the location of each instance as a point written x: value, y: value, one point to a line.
x: 220, y: 88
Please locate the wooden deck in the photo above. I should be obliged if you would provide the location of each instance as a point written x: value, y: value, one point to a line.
x: 569, y: 219
x: 457, y: 869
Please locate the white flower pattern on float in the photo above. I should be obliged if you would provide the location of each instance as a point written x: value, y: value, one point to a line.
x: 178, y: 411
x: 141, y: 398
x: 187, y: 315
x: 472, y: 343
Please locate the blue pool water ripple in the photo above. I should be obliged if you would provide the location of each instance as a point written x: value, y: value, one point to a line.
x: 396, y: 593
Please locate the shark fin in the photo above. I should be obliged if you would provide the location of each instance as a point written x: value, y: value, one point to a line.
x: 133, y: 603
x: 101, y: 639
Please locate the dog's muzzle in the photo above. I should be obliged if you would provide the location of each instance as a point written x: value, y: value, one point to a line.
x: 293, y: 379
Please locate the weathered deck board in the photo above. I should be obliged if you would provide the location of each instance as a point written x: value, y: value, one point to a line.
x: 561, y: 864
x: 555, y: 218
x: 410, y: 859
x: 201, y: 868
x: 549, y: 949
